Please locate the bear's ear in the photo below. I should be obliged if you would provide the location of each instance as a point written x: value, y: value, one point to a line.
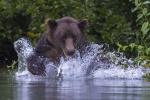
x: 82, y: 24
x: 51, y: 24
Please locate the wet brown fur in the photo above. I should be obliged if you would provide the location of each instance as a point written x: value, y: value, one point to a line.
x: 51, y: 43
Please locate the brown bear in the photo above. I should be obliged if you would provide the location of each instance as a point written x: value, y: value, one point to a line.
x: 62, y: 38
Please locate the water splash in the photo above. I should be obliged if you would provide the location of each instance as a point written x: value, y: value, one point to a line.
x: 95, y: 62
x: 24, y: 49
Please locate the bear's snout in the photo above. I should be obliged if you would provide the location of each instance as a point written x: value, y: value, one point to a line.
x: 70, y: 49
x: 70, y: 52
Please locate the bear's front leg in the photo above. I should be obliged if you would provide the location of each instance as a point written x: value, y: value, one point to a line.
x: 35, y: 65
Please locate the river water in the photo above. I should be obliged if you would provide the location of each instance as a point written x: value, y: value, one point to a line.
x: 96, y: 75
x: 79, y: 89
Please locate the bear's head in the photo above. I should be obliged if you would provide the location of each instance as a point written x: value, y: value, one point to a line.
x: 66, y: 33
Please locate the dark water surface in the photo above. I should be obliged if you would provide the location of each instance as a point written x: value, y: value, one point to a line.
x: 77, y: 89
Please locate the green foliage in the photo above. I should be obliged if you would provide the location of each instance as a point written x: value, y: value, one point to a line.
x: 13, y: 65
x: 141, y: 45
x: 147, y: 77
x: 18, y: 17
x: 110, y: 22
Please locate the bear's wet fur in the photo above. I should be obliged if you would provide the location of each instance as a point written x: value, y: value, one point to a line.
x: 61, y: 38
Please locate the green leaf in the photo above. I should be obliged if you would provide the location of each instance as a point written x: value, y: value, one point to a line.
x: 136, y: 2
x: 146, y: 2
x: 148, y: 51
x: 124, y: 48
x: 146, y: 30
x: 119, y: 47
x: 139, y: 17
x: 145, y: 11
x: 140, y: 47
x: 144, y: 27
x: 148, y: 14
x: 132, y: 46
x: 13, y: 65
x: 135, y: 9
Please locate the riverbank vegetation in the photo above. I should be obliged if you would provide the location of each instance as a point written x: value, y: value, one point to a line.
x: 123, y: 24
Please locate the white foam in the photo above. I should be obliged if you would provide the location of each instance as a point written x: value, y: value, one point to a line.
x: 71, y: 68
x: 75, y: 67
x: 118, y: 72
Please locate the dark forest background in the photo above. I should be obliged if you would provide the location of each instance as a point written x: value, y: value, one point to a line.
x: 123, y: 24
